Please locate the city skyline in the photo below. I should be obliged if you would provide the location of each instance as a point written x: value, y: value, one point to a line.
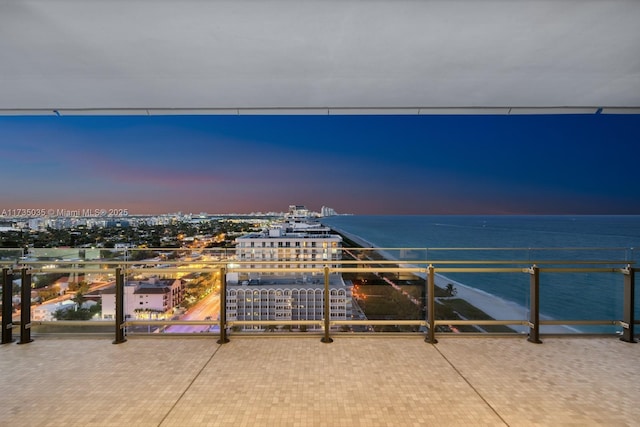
x: 559, y: 164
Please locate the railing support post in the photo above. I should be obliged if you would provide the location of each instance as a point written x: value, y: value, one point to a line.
x: 7, y: 306
x: 223, y: 307
x: 327, y: 308
x: 629, y: 301
x: 534, y: 312
x: 119, y: 321
x: 25, y: 307
x: 431, y: 306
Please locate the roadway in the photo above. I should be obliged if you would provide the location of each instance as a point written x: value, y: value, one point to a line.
x: 208, y: 307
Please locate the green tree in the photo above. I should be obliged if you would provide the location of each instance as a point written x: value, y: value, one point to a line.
x: 451, y: 290
x: 79, y: 298
x: 79, y: 314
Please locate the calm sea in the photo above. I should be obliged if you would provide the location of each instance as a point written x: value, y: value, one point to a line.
x: 571, y: 296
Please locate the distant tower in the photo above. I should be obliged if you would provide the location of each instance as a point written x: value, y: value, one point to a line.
x: 325, y: 211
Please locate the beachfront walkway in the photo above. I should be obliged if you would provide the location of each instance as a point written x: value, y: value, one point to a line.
x: 299, y: 381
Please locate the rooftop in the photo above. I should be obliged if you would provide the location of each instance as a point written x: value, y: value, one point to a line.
x: 300, y: 381
x: 294, y: 282
x: 294, y: 235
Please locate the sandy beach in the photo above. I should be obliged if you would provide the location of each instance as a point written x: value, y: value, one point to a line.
x: 496, y: 307
x: 499, y: 308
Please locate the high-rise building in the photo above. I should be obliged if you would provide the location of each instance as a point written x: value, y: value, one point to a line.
x: 326, y: 211
x: 298, y: 242
x: 288, y: 298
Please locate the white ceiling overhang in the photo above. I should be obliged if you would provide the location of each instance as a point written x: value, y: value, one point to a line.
x: 319, y: 57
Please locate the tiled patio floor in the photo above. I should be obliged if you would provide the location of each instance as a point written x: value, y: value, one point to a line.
x: 354, y: 381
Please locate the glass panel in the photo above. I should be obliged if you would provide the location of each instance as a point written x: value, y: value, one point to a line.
x: 9, y: 256
x: 67, y: 295
x: 170, y: 284
x: 483, y: 296
x: 183, y: 284
x: 582, y: 295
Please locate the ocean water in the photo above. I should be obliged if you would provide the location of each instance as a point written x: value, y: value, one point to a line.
x: 532, y: 239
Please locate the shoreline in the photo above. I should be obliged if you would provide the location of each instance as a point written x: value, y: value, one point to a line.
x: 494, y: 306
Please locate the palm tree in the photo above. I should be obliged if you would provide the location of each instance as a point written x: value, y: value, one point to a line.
x: 451, y: 290
x: 79, y: 299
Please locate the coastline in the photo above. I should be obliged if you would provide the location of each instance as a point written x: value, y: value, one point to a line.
x: 494, y: 306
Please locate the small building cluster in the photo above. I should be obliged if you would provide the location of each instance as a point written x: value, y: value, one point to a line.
x: 151, y: 299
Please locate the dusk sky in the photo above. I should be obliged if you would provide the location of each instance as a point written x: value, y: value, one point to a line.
x: 561, y: 164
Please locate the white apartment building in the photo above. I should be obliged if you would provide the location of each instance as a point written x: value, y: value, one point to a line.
x: 287, y: 298
x: 287, y: 295
x: 298, y: 238
x: 327, y: 211
x: 150, y: 299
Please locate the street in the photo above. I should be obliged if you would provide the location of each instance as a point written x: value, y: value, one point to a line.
x: 209, y: 306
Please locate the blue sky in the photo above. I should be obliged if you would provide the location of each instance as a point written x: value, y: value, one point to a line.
x: 562, y: 164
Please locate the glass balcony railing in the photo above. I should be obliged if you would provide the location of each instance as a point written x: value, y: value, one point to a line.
x: 223, y: 292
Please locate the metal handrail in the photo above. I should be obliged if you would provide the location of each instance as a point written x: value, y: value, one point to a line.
x: 428, y: 267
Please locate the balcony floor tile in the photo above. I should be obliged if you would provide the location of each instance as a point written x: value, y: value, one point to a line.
x: 354, y: 381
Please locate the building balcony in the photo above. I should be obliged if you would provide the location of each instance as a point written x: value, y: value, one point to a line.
x: 379, y: 381
x: 438, y: 367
